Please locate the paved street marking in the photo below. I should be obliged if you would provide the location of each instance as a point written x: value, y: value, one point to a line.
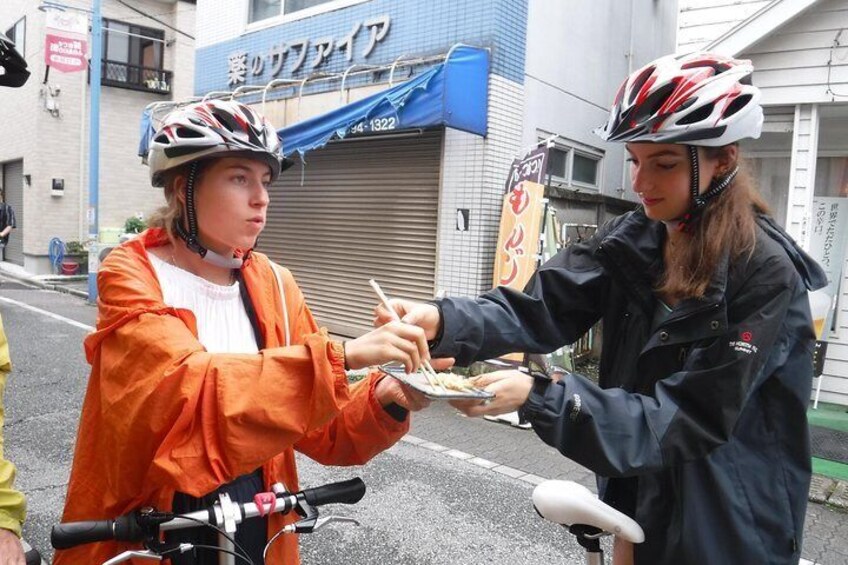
x: 46, y: 313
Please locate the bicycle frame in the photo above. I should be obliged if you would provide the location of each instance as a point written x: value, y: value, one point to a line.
x: 145, y: 525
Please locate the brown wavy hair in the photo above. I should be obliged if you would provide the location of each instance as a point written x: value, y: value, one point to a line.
x: 726, y: 224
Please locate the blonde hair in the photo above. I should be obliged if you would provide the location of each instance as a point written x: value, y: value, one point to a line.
x: 173, y: 211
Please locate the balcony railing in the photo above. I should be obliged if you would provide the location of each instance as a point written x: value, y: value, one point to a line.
x: 135, y: 77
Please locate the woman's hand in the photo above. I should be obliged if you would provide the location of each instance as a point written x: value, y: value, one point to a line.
x: 390, y: 390
x: 511, y: 390
x: 11, y: 550
x: 421, y: 314
x: 394, y: 341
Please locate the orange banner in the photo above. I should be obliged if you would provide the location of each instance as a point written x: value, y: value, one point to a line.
x: 518, y: 240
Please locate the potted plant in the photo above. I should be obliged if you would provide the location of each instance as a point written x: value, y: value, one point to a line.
x: 76, y: 258
x: 134, y: 224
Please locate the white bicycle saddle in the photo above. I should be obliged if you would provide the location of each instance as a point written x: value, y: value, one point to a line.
x: 568, y: 503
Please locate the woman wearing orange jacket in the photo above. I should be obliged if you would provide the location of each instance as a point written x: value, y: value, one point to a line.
x: 208, y: 369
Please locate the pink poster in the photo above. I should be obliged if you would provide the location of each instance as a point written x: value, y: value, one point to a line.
x: 65, y: 54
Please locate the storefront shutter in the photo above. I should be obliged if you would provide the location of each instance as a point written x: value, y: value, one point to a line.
x: 359, y: 209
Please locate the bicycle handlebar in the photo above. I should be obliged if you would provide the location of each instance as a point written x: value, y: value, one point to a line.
x: 127, y: 528
x: 123, y: 528
x: 344, y: 492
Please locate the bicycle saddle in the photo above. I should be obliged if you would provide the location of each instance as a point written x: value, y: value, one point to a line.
x: 568, y: 503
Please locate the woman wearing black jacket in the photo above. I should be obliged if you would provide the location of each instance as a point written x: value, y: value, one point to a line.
x: 698, y: 426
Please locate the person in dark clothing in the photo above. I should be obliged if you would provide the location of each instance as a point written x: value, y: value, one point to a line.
x: 7, y: 224
x: 697, y: 428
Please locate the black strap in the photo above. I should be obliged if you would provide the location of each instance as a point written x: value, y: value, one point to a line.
x: 251, y: 311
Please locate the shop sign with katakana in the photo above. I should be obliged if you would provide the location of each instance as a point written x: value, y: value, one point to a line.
x: 292, y: 56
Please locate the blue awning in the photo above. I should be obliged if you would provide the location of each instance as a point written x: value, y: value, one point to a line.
x: 454, y: 94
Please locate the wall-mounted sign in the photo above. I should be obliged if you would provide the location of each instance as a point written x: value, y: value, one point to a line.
x: 296, y: 53
x: 66, y: 41
x: 827, y: 244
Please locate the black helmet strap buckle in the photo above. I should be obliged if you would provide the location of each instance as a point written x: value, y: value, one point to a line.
x: 699, y: 201
x: 191, y: 236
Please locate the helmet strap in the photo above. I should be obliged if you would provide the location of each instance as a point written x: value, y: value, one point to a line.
x: 699, y: 201
x: 191, y: 236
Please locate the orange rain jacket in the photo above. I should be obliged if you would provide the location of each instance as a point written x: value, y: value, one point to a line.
x: 162, y: 415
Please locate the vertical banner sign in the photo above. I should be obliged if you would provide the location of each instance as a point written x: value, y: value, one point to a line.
x: 518, y: 240
x: 532, y: 167
x: 827, y: 246
x: 66, y: 41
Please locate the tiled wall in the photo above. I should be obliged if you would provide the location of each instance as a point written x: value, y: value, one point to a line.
x: 473, y: 175
x: 416, y: 28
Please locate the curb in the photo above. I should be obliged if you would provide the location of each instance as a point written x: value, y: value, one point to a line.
x: 43, y: 285
x: 829, y: 492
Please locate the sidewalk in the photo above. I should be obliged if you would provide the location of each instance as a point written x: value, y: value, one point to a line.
x: 520, y: 454
x: 76, y: 285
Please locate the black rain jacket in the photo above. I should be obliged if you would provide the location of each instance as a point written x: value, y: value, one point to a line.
x: 698, y: 429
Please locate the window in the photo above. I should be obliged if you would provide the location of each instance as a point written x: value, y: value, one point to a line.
x: 263, y: 9
x: 17, y: 33
x: 572, y: 167
x: 133, y: 57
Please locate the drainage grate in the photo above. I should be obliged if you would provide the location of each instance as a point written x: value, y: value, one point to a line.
x: 829, y: 444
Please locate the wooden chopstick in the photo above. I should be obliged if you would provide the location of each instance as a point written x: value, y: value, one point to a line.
x: 425, y: 365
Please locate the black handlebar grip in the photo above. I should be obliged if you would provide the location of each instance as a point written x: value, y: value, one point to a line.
x: 345, y: 492
x: 32, y: 557
x: 72, y: 534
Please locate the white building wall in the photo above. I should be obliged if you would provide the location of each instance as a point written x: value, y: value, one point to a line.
x: 792, y: 69
x: 798, y: 66
x: 571, y: 77
x: 802, y: 171
x: 473, y: 176
x: 792, y: 62
x: 702, y: 21
x: 57, y: 147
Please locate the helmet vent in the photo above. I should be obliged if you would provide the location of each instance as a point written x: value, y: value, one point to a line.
x: 738, y: 103
x: 186, y: 132
x: 652, y: 104
x: 639, y: 83
x: 698, y: 115
x: 226, y: 120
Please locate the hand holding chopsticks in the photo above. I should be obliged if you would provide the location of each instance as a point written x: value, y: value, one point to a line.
x: 428, y: 371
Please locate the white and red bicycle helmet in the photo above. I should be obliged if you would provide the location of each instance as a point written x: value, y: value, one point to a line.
x: 205, y: 130
x: 208, y: 129
x: 698, y: 99
x: 695, y: 99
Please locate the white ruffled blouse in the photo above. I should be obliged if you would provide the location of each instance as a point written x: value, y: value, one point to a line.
x: 222, y: 322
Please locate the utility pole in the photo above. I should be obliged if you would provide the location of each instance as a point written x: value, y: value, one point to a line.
x: 94, y: 148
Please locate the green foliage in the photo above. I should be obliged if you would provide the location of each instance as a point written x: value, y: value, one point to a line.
x: 74, y: 248
x: 134, y: 225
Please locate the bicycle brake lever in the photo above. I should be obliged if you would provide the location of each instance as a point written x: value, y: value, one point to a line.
x: 127, y: 555
x: 321, y: 522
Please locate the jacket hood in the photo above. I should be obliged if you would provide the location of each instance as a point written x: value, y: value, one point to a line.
x: 810, y: 271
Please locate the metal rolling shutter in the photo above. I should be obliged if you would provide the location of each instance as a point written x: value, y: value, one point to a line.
x: 367, y: 208
x: 13, y: 184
